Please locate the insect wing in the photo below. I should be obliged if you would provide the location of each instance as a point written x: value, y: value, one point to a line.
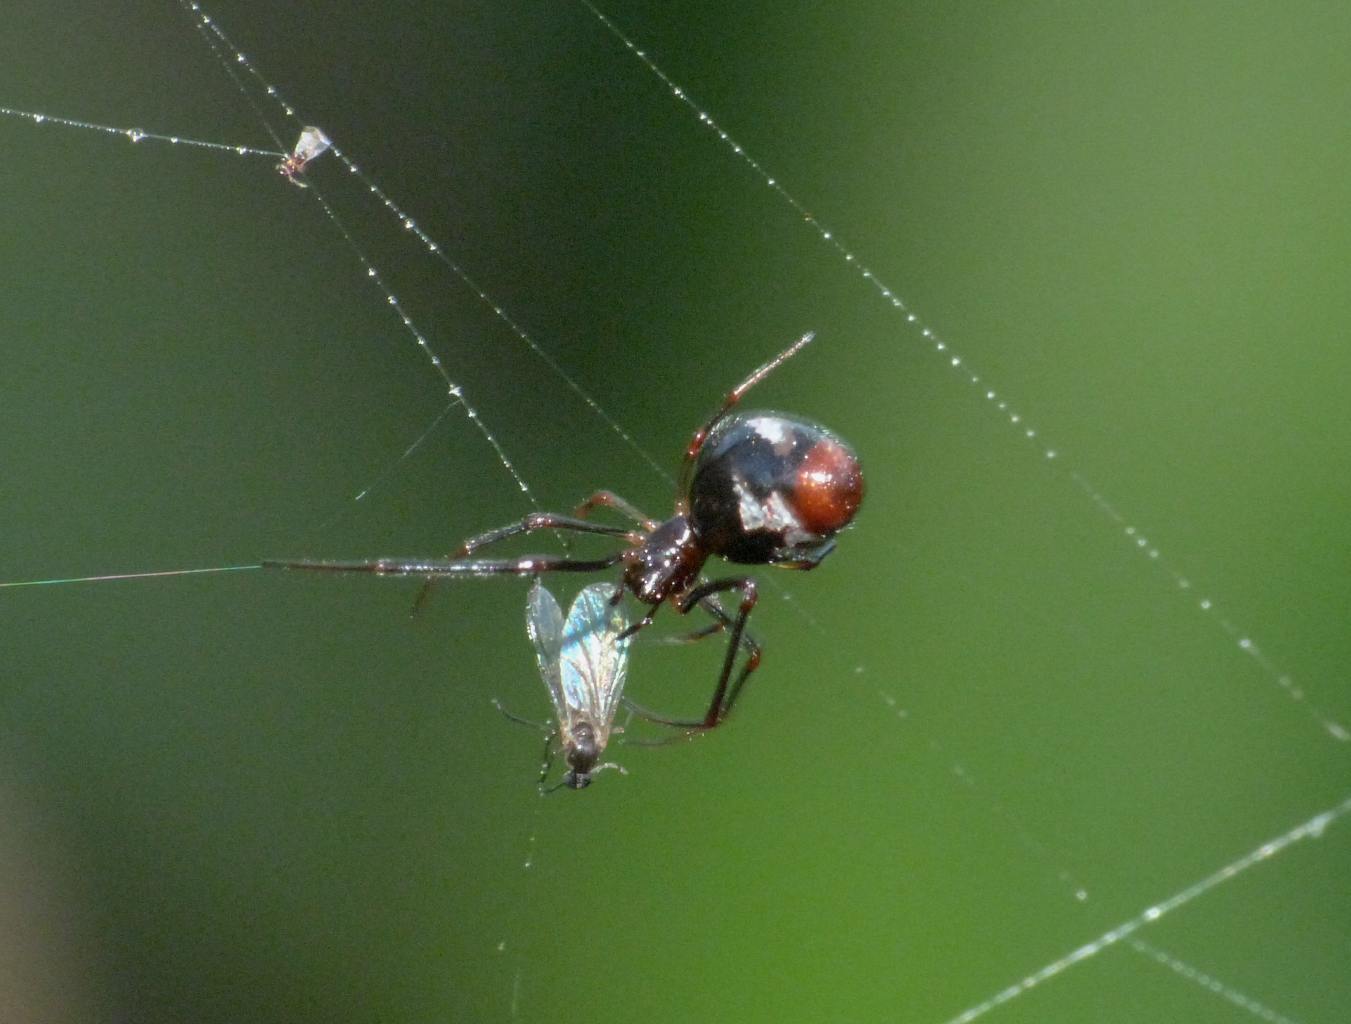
x: 544, y: 624
x: 312, y: 142
x: 594, y: 662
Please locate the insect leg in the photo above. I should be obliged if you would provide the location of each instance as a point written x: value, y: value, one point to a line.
x: 512, y: 717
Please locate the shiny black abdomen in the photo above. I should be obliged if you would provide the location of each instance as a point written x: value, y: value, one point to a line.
x: 768, y: 487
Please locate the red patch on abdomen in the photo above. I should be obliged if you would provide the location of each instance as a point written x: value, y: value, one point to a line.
x: 828, y: 488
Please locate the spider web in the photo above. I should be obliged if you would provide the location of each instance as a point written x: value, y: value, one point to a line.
x: 1006, y: 748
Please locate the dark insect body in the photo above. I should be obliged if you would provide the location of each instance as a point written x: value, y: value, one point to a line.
x: 756, y: 488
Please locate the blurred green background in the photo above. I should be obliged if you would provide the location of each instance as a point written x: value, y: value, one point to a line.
x: 260, y: 797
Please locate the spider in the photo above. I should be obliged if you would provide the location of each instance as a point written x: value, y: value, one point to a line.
x: 755, y: 488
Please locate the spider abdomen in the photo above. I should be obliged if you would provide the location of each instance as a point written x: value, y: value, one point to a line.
x: 768, y: 487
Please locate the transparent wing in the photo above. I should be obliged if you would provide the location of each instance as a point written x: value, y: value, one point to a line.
x: 544, y: 625
x: 594, y: 662
x: 312, y: 142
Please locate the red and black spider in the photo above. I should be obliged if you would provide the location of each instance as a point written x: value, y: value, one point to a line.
x: 755, y: 488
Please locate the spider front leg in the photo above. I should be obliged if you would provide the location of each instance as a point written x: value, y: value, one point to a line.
x: 528, y: 524
x: 526, y: 565
x: 729, y: 402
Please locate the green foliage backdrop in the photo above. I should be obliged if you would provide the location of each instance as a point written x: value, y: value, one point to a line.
x: 274, y: 798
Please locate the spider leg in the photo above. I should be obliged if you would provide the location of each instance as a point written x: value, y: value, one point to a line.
x: 726, y: 692
x: 540, y: 521
x: 528, y: 524
x: 526, y: 565
x: 724, y: 621
x: 609, y: 499
x: 729, y: 402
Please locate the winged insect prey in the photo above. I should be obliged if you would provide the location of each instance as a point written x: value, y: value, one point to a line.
x: 583, y: 660
x: 312, y: 143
